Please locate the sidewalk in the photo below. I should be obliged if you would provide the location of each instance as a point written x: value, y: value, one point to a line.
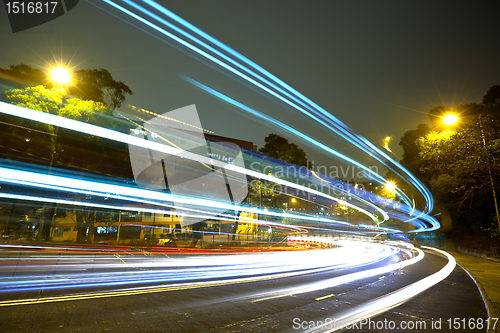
x: 486, y: 272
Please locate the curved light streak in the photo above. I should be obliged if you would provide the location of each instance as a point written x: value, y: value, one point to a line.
x: 278, y: 89
x: 389, y: 301
x: 122, y: 192
x: 124, y: 138
x: 167, y: 274
x: 126, y: 193
x: 339, y: 127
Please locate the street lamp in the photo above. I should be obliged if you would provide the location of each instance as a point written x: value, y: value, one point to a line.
x: 391, y: 187
x: 450, y: 119
x: 386, y: 143
x: 61, y: 75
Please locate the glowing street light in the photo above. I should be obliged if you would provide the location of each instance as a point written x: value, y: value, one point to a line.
x: 61, y: 75
x: 391, y: 187
x: 293, y: 200
x: 450, y: 119
x: 386, y: 143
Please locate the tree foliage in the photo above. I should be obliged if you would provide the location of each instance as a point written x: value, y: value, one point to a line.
x: 39, y: 138
x: 54, y: 101
x: 411, y: 150
x: 25, y: 73
x: 99, y: 86
x: 38, y: 98
x: 492, y: 97
x: 278, y: 147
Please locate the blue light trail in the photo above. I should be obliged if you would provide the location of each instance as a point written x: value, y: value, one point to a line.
x: 236, y: 63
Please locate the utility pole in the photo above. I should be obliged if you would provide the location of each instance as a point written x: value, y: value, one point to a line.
x: 489, y: 173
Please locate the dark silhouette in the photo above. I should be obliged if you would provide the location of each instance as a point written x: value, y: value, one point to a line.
x: 26, y: 74
x: 278, y: 147
x: 98, y: 85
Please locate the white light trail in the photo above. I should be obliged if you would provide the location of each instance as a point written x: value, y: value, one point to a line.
x: 387, y: 302
x: 156, y: 274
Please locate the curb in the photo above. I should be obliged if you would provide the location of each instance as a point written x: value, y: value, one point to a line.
x: 490, y: 308
x: 492, y: 313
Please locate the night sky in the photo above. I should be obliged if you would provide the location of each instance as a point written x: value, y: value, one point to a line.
x: 378, y: 66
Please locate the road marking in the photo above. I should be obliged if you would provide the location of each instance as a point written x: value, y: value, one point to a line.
x: 324, y: 297
x: 118, y: 256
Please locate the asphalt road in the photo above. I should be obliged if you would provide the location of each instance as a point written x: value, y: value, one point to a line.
x: 239, y: 308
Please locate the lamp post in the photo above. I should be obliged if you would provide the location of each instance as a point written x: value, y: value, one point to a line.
x: 61, y: 76
x: 489, y: 173
x: 451, y: 119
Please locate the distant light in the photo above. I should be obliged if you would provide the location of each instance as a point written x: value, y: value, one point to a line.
x: 293, y: 200
x: 61, y: 75
x: 450, y: 119
x: 386, y: 143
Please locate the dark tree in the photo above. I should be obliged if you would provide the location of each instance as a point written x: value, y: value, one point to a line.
x: 492, y: 96
x: 98, y: 85
x: 278, y: 147
x: 31, y: 76
x: 411, y: 150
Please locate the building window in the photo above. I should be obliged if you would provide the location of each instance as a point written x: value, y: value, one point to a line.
x: 58, y: 231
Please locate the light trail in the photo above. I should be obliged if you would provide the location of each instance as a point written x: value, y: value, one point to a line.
x: 205, y: 215
x: 387, y: 302
x: 169, y: 274
x: 336, y: 281
x: 125, y: 193
x: 69, y: 184
x: 124, y: 276
x: 269, y: 84
x: 66, y: 184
